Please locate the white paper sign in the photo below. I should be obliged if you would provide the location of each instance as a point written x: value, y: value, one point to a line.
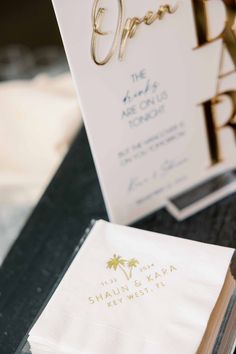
x: 153, y: 126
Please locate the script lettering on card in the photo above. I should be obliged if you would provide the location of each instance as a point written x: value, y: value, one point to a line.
x: 157, y: 86
x: 121, y: 35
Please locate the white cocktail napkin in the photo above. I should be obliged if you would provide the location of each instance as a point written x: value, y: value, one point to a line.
x: 130, y: 291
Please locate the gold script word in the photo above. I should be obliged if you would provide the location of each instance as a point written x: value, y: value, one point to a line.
x: 128, y: 32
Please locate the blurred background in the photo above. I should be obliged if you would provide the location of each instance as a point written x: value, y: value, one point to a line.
x: 31, y: 23
x: 39, y: 114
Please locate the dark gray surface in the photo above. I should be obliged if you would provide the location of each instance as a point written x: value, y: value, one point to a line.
x: 53, y: 232
x: 202, y: 190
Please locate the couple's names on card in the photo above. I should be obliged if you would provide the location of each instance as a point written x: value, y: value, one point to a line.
x: 148, y: 280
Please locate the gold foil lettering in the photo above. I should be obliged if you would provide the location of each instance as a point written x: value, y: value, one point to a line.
x: 97, y: 16
x: 213, y: 130
x: 225, y: 30
x: 128, y: 32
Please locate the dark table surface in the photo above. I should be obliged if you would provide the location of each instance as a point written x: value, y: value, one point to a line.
x: 54, y: 229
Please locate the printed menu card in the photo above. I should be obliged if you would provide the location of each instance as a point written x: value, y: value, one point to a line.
x: 131, y: 291
x: 156, y: 83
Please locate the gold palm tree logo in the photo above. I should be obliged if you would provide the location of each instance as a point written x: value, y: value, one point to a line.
x: 125, y: 266
x: 132, y: 263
